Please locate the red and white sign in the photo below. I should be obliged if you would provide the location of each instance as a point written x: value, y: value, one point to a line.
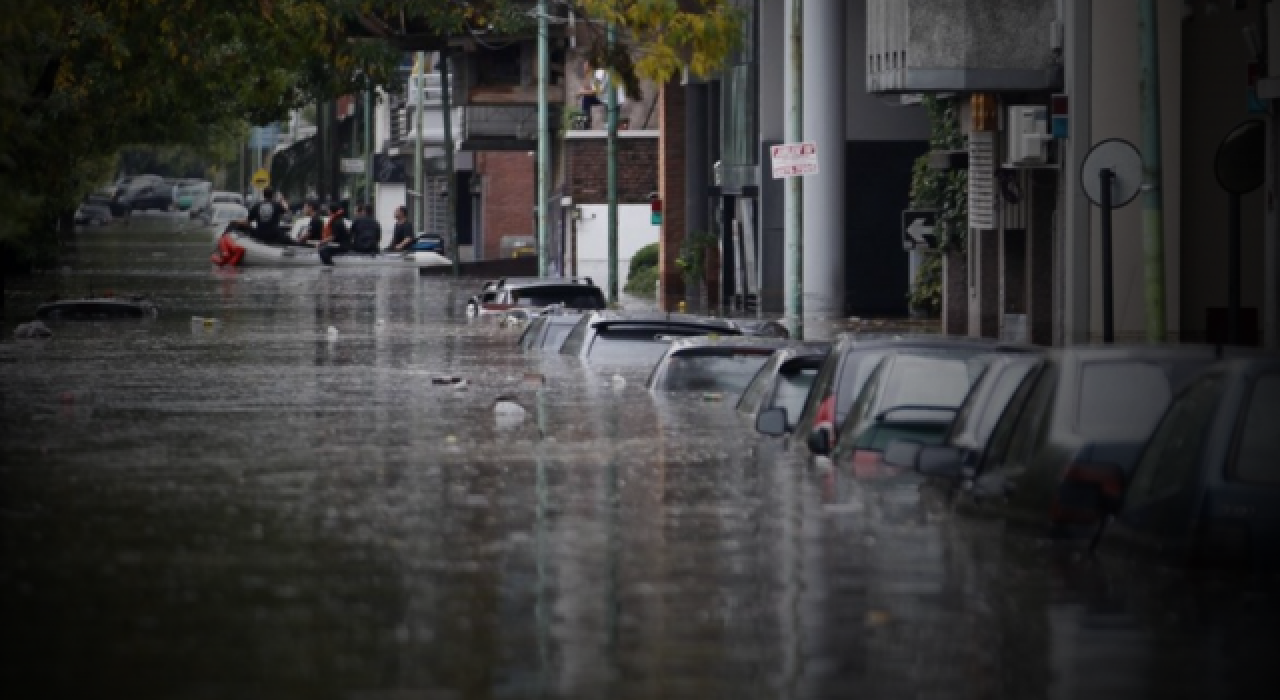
x: 794, y: 159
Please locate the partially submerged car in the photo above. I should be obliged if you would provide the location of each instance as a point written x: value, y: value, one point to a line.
x: 722, y: 364
x: 547, y: 332
x: 1205, y: 491
x: 535, y: 293
x: 610, y: 338
x: 781, y: 387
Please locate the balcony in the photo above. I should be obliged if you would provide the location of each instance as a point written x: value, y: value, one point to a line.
x: 918, y: 46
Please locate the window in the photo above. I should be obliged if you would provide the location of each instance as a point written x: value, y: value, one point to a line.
x: 531, y: 333
x: 1122, y: 400
x: 1003, y: 433
x: 574, y: 296
x: 573, y: 344
x: 794, y: 382
x: 632, y: 347
x: 556, y: 334
x: 1176, y: 446
x: 759, y: 387
x: 1257, y: 457
x: 730, y: 370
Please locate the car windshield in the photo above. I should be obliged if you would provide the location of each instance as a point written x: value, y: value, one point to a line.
x: 909, y: 389
x: 982, y: 408
x: 722, y: 369
x: 573, y: 296
x: 630, y: 347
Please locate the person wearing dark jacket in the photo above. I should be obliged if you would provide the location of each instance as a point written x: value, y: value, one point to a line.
x: 366, y: 232
x: 402, y: 234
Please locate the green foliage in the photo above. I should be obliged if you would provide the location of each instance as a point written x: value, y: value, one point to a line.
x: 944, y: 190
x: 926, y: 292
x: 643, y: 282
x: 693, y: 253
x: 648, y: 256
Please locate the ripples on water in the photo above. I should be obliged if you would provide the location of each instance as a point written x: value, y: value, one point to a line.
x: 259, y: 509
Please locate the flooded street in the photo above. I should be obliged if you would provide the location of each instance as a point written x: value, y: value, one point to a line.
x: 262, y: 507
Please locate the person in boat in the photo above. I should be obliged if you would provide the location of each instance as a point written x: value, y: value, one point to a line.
x: 366, y: 232
x: 402, y: 234
x: 315, y: 224
x: 336, y: 239
x: 264, y: 218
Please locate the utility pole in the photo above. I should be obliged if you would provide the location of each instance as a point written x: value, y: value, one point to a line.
x: 793, y: 201
x: 544, y: 138
x: 1152, y: 198
x: 446, y: 107
x: 611, y: 103
x: 368, y: 147
x: 420, y: 70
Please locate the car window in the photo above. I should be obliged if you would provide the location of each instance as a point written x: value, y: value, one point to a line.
x: 857, y: 369
x: 531, y: 332
x: 1257, y: 453
x: 1033, y: 424
x: 556, y: 335
x: 573, y: 343
x: 930, y: 380
x: 794, y: 382
x: 1004, y: 432
x: 627, y: 347
x: 574, y: 296
x: 1171, y: 455
x: 980, y: 410
x: 823, y: 386
x: 730, y: 370
x: 1122, y: 399
x: 759, y: 387
x: 868, y: 397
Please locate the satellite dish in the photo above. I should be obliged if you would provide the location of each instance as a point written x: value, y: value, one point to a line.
x: 1124, y: 161
x: 1241, y: 164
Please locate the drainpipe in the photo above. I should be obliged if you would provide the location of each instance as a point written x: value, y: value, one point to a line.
x: 446, y: 109
x: 1152, y: 199
x: 544, y: 138
x: 793, y: 204
x: 368, y: 148
x: 611, y: 103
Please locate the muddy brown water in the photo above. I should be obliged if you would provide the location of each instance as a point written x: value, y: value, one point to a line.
x: 260, y: 508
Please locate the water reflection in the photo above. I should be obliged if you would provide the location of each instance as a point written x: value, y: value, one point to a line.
x: 263, y: 509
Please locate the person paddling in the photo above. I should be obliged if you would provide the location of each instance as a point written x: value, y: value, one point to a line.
x: 337, y: 238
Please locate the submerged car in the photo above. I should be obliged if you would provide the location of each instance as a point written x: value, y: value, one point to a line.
x: 1080, y: 417
x: 532, y: 293
x: 913, y: 394
x: 781, y: 387
x: 846, y: 370
x: 610, y: 338
x: 96, y: 213
x: 1205, y: 491
x: 724, y: 364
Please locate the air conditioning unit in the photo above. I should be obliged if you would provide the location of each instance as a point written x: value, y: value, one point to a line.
x: 1027, y: 133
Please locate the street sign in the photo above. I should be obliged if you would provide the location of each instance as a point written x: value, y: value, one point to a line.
x: 261, y: 178
x: 794, y: 159
x: 353, y: 166
x: 918, y: 230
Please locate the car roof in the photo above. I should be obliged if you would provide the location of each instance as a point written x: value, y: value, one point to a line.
x: 520, y: 282
x: 694, y: 344
x: 658, y: 318
x: 1152, y: 352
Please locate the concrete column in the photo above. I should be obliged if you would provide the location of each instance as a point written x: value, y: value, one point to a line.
x: 824, y: 124
x: 697, y: 169
x: 1074, y: 272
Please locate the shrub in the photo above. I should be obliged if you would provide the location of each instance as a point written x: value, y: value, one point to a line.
x: 643, y: 282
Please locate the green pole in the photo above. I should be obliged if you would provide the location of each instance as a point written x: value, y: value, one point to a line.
x: 611, y: 103
x: 419, y: 184
x: 446, y: 107
x: 544, y: 138
x: 368, y: 147
x: 793, y: 205
x: 1152, y: 198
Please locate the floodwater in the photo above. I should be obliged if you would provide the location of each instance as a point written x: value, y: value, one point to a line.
x: 258, y: 507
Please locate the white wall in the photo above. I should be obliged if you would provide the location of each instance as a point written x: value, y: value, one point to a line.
x: 634, y: 232
x: 388, y: 198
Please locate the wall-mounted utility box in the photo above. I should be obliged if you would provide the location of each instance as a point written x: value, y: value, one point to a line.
x: 1027, y: 136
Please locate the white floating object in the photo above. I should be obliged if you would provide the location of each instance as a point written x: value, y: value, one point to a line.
x: 618, y: 381
x: 508, y: 414
x: 333, y: 332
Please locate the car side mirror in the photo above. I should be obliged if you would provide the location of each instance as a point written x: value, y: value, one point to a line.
x: 772, y: 422
x: 902, y: 453
x: 1088, y: 493
x: 940, y: 462
x: 819, y: 442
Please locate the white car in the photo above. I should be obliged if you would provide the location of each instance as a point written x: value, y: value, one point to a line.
x: 223, y: 197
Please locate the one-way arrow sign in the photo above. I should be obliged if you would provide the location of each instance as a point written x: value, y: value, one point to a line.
x: 917, y: 230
